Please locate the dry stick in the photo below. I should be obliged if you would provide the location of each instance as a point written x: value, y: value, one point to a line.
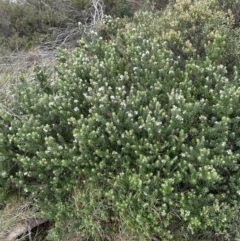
x: 21, y: 229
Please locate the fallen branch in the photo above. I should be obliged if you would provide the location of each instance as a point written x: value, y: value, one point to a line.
x: 22, y: 229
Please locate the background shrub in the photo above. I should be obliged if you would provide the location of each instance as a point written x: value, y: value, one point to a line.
x: 27, y: 24
x: 139, y: 130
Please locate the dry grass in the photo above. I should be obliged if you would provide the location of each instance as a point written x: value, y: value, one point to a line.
x: 13, y: 64
x: 17, y: 212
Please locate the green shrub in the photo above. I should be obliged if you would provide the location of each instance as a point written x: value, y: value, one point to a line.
x: 232, y: 7
x: 118, y: 8
x: 140, y: 129
x: 24, y: 24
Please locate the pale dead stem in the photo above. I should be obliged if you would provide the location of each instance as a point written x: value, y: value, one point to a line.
x: 24, y: 229
x: 18, y: 218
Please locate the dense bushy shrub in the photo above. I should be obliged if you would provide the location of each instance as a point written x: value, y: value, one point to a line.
x: 141, y: 128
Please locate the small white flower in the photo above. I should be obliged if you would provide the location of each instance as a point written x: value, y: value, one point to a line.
x: 187, y: 213
x: 121, y: 77
x: 178, y: 117
x: 112, y: 97
x: 76, y: 109
x: 50, y: 104
x: 4, y: 174
x: 202, y: 117
x: 229, y: 152
x: 123, y: 104
x: 75, y: 101
x: 55, y: 97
